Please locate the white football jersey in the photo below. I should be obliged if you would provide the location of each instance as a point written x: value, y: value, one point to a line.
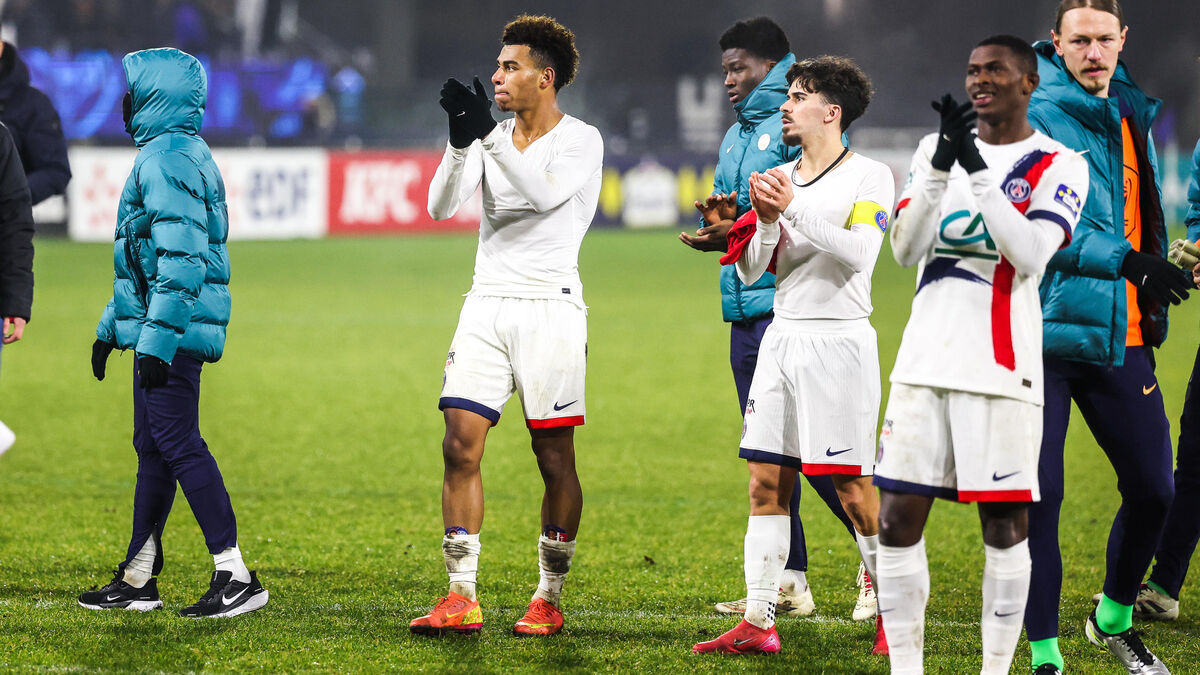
x: 537, y: 206
x: 982, y: 242
x: 826, y: 242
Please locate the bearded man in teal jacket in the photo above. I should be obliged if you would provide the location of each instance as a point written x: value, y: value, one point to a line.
x: 171, y: 305
x: 755, y: 56
x: 1104, y: 304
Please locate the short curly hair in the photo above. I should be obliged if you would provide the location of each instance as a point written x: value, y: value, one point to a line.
x: 551, y: 44
x: 839, y: 80
x: 759, y: 36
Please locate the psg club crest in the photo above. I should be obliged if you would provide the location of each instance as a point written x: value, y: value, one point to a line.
x: 1017, y: 190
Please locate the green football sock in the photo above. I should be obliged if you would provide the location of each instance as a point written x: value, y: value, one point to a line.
x: 1160, y: 589
x: 1112, y: 617
x: 1046, y: 651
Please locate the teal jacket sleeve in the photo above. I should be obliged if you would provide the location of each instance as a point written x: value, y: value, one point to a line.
x: 106, y: 330
x: 1192, y: 219
x: 1093, y: 252
x: 173, y: 193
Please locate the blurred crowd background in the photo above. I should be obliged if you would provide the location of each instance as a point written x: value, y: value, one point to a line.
x: 364, y: 74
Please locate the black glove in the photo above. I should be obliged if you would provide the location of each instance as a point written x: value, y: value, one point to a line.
x: 100, y: 352
x: 956, y: 121
x: 459, y: 136
x: 473, y: 108
x: 1160, y: 279
x: 968, y: 154
x: 152, y: 371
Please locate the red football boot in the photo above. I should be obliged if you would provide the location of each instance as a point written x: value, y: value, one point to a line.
x: 745, y: 638
x: 881, y: 647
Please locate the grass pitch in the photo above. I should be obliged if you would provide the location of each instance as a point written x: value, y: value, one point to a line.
x: 323, y: 418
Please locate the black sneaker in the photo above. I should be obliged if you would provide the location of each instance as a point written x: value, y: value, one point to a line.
x: 227, y: 597
x: 1047, y: 669
x: 120, y: 595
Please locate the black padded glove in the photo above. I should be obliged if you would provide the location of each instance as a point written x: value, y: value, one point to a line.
x: 100, y: 352
x: 459, y: 136
x: 152, y: 371
x: 968, y: 154
x: 956, y: 121
x: 472, y: 107
x: 1157, y: 277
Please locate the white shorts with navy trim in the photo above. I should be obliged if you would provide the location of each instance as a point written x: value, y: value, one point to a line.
x: 534, y: 347
x: 959, y: 446
x: 814, y: 400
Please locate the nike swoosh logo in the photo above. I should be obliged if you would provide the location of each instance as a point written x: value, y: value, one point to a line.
x: 1004, y: 615
x: 464, y: 112
x: 829, y: 452
x: 739, y: 643
x: 115, y: 596
x: 880, y: 610
x: 1146, y: 390
x: 540, y: 625
x: 455, y: 615
x: 558, y: 407
x: 1007, y: 475
x: 229, y: 601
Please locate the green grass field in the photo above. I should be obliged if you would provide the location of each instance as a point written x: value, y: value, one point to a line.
x: 323, y: 417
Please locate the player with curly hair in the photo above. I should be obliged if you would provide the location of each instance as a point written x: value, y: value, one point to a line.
x: 523, y: 326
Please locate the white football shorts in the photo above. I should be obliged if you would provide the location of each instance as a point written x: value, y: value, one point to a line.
x: 535, y: 347
x: 814, y: 399
x: 958, y: 445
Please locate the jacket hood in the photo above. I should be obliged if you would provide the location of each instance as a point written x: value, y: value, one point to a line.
x: 766, y: 98
x: 14, y: 74
x: 1059, y: 87
x: 169, y: 90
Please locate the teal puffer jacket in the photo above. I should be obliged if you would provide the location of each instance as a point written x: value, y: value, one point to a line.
x: 171, y: 287
x: 752, y: 144
x: 1083, y: 294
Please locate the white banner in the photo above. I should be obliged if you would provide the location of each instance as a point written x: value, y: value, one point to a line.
x: 271, y: 194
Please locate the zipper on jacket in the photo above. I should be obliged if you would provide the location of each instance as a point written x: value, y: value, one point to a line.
x: 135, y: 267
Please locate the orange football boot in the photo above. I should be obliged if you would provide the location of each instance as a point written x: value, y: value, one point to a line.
x: 452, y: 614
x: 542, y: 618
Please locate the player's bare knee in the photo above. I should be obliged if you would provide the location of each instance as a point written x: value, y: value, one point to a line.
x: 895, y: 529
x: 460, y: 453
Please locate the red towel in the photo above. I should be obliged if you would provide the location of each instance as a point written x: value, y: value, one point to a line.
x: 740, y: 235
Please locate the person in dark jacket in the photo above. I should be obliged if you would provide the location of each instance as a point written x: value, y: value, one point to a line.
x: 35, y: 127
x: 171, y: 305
x: 1104, y: 308
x: 16, y: 254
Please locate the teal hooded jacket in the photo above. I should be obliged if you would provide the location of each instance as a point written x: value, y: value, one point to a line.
x: 171, y: 282
x: 752, y: 144
x: 1083, y: 293
x: 1192, y: 219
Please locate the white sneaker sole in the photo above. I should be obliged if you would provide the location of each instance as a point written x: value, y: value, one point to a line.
x: 7, y: 438
x: 255, y: 602
x: 135, y: 606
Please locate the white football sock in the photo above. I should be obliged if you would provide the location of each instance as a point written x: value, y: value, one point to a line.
x: 461, y: 552
x: 1005, y: 590
x: 868, y: 548
x: 554, y: 561
x: 7, y: 438
x: 141, y: 568
x: 793, y: 581
x: 230, y: 560
x: 766, y: 551
x: 903, y: 591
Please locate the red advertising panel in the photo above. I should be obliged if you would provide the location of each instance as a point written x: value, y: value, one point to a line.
x: 387, y: 192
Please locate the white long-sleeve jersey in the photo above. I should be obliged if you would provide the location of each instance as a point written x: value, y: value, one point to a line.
x: 537, y: 206
x: 825, y: 243
x: 982, y: 242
